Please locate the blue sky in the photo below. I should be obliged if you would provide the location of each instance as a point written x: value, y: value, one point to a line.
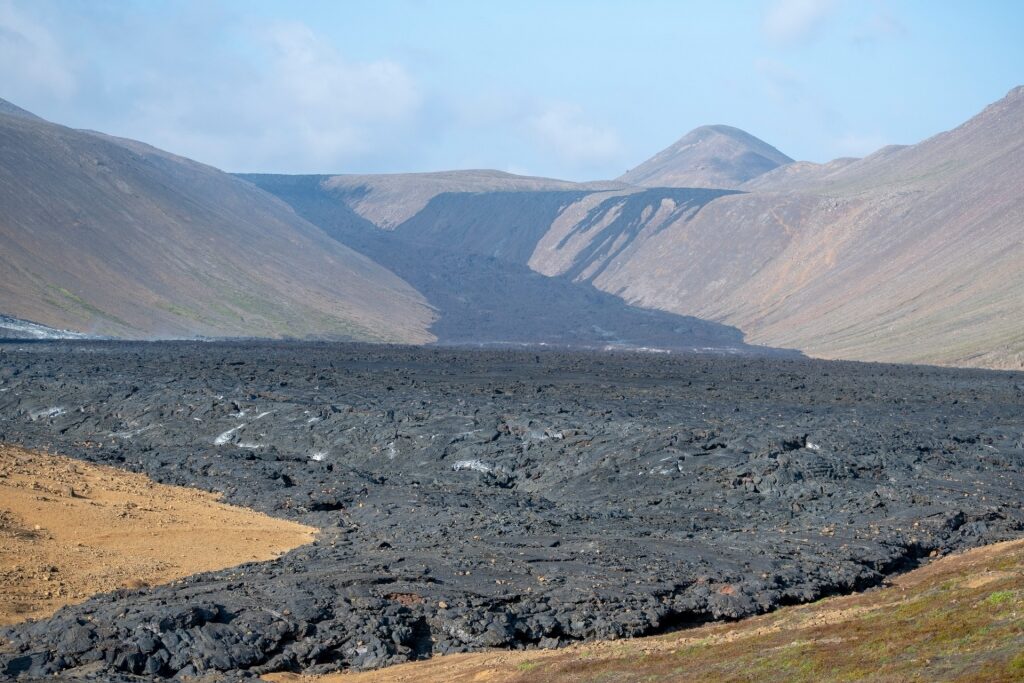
x: 578, y: 90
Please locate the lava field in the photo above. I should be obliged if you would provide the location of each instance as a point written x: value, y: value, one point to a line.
x: 474, y: 499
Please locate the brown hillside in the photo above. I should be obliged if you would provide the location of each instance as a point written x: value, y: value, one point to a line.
x: 912, y: 254
x: 114, y: 237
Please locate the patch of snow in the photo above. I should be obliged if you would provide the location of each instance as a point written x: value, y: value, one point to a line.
x: 224, y: 437
x: 263, y: 414
x: 36, y: 331
x: 129, y: 433
x: 249, y: 445
x: 312, y: 420
x: 318, y: 456
x: 474, y: 465
x: 46, y: 413
x: 812, y: 446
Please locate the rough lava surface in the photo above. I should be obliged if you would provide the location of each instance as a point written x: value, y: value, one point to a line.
x: 473, y: 499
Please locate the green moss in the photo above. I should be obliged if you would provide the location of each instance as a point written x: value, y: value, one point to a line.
x: 72, y: 303
x: 999, y: 598
x: 181, y: 311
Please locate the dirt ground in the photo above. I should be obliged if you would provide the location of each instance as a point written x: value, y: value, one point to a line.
x: 960, y: 618
x: 69, y: 530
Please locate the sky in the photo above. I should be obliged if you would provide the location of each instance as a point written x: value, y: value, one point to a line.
x: 567, y: 89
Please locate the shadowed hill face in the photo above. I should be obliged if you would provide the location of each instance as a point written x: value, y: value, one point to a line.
x: 114, y: 237
x: 388, y: 200
x: 710, y: 156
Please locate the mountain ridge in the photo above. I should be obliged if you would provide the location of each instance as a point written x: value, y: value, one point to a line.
x: 911, y: 254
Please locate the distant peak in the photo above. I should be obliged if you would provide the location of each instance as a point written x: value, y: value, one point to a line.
x: 716, y: 156
x: 721, y: 129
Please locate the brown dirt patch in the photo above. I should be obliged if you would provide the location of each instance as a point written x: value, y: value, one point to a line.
x: 69, y: 530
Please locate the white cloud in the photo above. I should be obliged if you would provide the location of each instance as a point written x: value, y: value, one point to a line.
x: 791, y: 21
x: 31, y: 60
x: 294, y: 105
x: 563, y: 129
x: 315, y: 77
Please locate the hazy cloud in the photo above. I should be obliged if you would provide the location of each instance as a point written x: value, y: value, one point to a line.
x: 783, y: 84
x: 31, y: 59
x: 879, y: 26
x: 295, y: 104
x: 221, y: 88
x: 564, y: 129
x: 790, y: 21
x: 333, y: 107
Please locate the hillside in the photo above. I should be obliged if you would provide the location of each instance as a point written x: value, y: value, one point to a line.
x: 709, y: 156
x: 467, y: 252
x: 113, y: 237
x: 912, y: 254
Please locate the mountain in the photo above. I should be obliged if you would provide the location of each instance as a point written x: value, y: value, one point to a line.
x: 467, y: 252
x: 912, y: 254
x: 709, y: 156
x: 113, y: 237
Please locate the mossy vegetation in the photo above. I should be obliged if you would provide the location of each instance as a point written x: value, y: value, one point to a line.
x: 961, y: 619
x: 68, y: 301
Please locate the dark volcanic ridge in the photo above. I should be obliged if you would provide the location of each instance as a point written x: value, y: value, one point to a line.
x: 506, y: 499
